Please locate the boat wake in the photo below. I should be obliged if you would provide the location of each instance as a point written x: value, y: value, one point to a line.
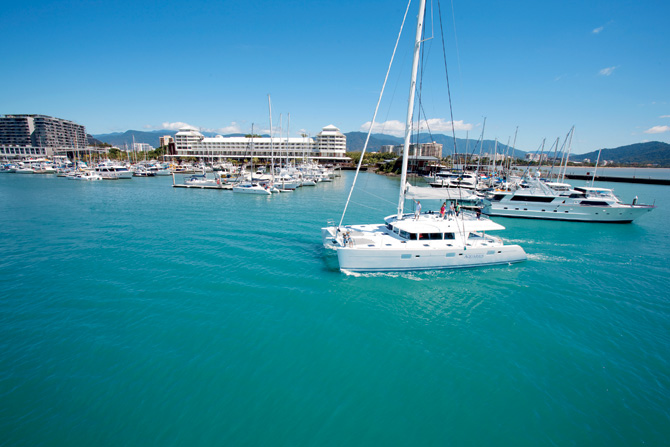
x: 547, y: 258
x: 537, y: 242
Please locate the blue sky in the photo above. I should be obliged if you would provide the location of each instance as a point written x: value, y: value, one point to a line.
x: 603, y: 66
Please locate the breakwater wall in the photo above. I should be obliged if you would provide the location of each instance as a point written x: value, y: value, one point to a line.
x: 601, y: 178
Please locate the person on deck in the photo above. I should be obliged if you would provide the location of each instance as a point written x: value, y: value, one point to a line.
x: 443, y: 209
x: 417, y: 212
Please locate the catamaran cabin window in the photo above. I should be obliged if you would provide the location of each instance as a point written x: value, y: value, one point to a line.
x: 404, y: 234
x: 498, y: 197
x: 390, y: 227
x: 449, y: 236
x: 435, y: 236
x: 412, y: 236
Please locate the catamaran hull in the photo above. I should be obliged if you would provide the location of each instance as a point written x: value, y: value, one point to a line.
x: 624, y: 214
x: 380, y: 260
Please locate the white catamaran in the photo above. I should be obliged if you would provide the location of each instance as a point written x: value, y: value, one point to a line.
x: 421, y: 241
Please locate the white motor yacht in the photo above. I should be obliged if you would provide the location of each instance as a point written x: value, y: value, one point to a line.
x: 453, y: 180
x: 201, y: 180
x: 24, y: 168
x: 85, y: 175
x: 109, y: 170
x: 580, y: 204
x: 251, y: 188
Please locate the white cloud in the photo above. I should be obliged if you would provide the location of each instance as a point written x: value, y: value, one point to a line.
x: 397, y: 128
x: 658, y: 129
x: 598, y: 30
x: 233, y: 128
x: 607, y: 71
x: 175, y: 126
x: 664, y: 116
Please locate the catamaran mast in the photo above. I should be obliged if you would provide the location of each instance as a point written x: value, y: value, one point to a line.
x: 410, y: 107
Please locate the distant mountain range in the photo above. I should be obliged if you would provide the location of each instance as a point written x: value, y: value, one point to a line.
x: 356, y: 141
x: 119, y: 139
x: 653, y: 152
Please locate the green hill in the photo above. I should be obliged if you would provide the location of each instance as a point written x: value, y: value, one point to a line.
x: 356, y: 141
x: 652, y: 152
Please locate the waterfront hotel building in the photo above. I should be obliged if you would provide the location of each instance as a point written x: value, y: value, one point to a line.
x: 23, y: 136
x: 329, y: 146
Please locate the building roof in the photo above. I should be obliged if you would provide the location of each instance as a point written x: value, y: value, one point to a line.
x: 188, y: 131
x: 331, y: 130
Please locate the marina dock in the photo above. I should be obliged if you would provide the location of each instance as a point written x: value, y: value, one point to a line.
x: 225, y: 186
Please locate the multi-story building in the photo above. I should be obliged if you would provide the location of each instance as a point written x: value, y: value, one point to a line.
x: 28, y: 135
x: 536, y: 157
x: 143, y: 147
x: 329, y: 146
x: 416, y: 150
x: 165, y: 140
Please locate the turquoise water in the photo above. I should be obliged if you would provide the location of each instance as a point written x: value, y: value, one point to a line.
x: 133, y: 313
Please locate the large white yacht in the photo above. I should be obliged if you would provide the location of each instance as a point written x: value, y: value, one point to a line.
x: 582, y: 204
x: 421, y: 241
x: 448, y: 179
x: 109, y: 170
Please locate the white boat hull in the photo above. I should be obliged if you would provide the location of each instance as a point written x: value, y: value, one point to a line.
x: 378, y: 248
x: 614, y: 214
x: 412, y: 259
x: 118, y: 175
x: 251, y: 190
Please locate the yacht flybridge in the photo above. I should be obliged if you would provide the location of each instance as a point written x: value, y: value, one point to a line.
x: 421, y: 241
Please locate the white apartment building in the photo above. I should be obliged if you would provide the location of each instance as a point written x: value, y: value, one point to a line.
x: 421, y: 150
x: 142, y: 147
x: 329, y: 146
x: 536, y: 157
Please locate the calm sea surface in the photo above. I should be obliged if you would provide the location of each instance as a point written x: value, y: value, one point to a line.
x: 134, y: 313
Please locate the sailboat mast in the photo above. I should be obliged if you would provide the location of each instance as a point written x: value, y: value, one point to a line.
x: 596, y: 167
x: 272, y: 148
x: 567, y: 157
x: 410, y: 107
